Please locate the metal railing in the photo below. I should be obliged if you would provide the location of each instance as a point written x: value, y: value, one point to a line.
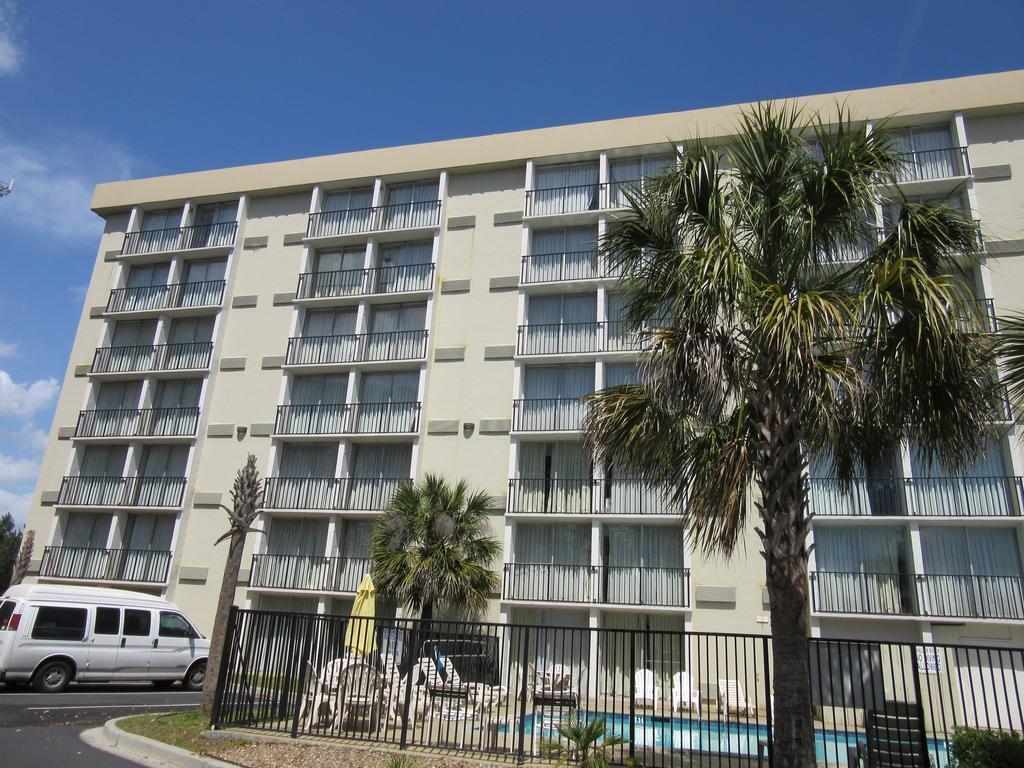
x: 557, y: 267
x: 999, y: 496
x: 412, y: 215
x: 887, y: 594
x: 207, y: 293
x: 134, y: 491
x: 318, y: 419
x: 572, y: 338
x: 140, y: 358
x: 384, y: 418
x: 610, y: 584
x: 137, y: 422
x: 180, y: 238
x: 934, y: 164
x: 584, y: 496
x: 357, y: 282
x: 354, y: 418
x: 97, y: 564
x: 356, y: 348
x: 340, y: 493
x: 548, y: 414
x: 629, y: 496
x: 308, y: 572
x: 558, y: 200
x: 674, y: 698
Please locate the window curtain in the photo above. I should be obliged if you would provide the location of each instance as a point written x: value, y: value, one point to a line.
x: 876, y: 490
x: 83, y: 554
x: 934, y: 157
x: 554, y: 477
x: 388, y: 402
x: 623, y: 564
x: 565, y: 188
x: 346, y: 211
x: 335, y: 273
x: 101, y: 475
x: 305, y: 476
x: 552, y: 562
x: 317, y: 405
x: 213, y: 225
x: 618, y: 374
x: 862, y: 570
x: 397, y: 332
x: 146, y: 288
x: 161, y: 231
x: 562, y: 324
x: 621, y: 335
x: 404, y: 267
x: 175, y: 407
x: 328, y: 335
x: 568, y: 253
x: 628, y: 174
x: 147, y: 539
x: 297, y: 547
x: 411, y: 205
x: 972, y: 572
x: 204, y: 283
x: 187, y: 343
x: 551, y: 396
x: 160, y: 475
x: 116, y: 409
x: 982, y: 488
x: 563, y: 638
x: 132, y: 346
x: 376, y: 471
x: 354, y: 546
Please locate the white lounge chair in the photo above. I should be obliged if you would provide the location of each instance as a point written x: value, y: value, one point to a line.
x: 555, y: 687
x: 646, y: 692
x: 732, y: 699
x: 359, y: 695
x: 685, y: 698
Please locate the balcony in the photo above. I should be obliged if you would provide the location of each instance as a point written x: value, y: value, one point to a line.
x: 577, y: 338
x: 607, y: 584
x: 141, y: 422
x: 408, y: 278
x: 135, y: 491
x: 559, y: 267
x: 369, y: 494
x: 380, y: 218
x: 91, y: 564
x: 356, y: 348
x: 934, y: 165
x: 583, y: 496
x: 155, y: 298
x: 918, y: 497
x: 555, y: 201
x: 308, y: 572
x: 959, y: 596
x: 355, y: 418
x: 180, y: 239
x: 548, y: 414
x: 186, y: 356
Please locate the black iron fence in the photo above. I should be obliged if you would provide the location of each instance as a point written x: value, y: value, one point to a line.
x: 675, y: 698
x: 99, y: 564
x: 933, y: 164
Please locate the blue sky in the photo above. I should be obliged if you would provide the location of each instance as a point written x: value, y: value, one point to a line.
x: 100, y: 90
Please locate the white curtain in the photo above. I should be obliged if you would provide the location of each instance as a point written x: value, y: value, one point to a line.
x: 295, y: 554
x: 305, y: 476
x: 620, y: 334
x: 101, y: 475
x: 131, y: 347
x: 411, y: 205
x: 983, y: 488
x: 388, y: 402
x: 175, y: 407
x: 188, y: 343
x: 562, y: 638
x: 559, y: 324
x: 317, y: 405
x: 83, y: 553
x: 554, y: 477
x: 116, y: 410
x: 161, y: 231
x: 972, y: 572
x: 618, y: 374
x: 565, y: 189
x: 396, y: 332
x: 644, y: 565
x: 327, y: 336
x: 933, y: 156
x: 404, y: 267
x: 161, y: 475
x: 204, y: 283
x: 862, y: 570
x: 148, y: 541
x: 567, y: 253
x: 146, y: 288
x: 354, y: 546
x: 551, y: 396
x: 552, y: 562
x: 376, y: 471
x: 629, y: 174
x: 213, y: 225
x: 344, y: 212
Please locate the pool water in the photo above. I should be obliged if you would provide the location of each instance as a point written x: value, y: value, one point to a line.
x: 830, y: 746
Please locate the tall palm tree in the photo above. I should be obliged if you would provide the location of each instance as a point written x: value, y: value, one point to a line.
x: 780, y: 325
x: 431, y: 547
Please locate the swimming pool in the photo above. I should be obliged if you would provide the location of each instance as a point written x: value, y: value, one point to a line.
x: 830, y: 746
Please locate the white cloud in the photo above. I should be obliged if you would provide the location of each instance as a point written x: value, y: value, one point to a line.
x: 15, y: 503
x: 8, y: 348
x: 55, y: 175
x: 12, y: 52
x: 23, y: 401
x: 15, y: 471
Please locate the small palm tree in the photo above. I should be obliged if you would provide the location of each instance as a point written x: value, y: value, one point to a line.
x: 588, y: 742
x: 432, y: 547
x: 781, y: 325
x: 246, y: 501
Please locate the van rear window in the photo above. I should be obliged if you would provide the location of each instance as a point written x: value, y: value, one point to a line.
x: 53, y: 623
x: 6, y: 611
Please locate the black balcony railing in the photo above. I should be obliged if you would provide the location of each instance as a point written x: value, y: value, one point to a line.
x: 413, y: 215
x: 356, y: 348
x: 384, y: 418
x: 355, y: 418
x: 548, y: 414
x: 612, y: 584
x: 345, y: 493
x: 971, y: 596
x: 934, y: 164
x: 1001, y: 496
x: 404, y: 278
x: 137, y: 422
x: 180, y: 238
x: 308, y: 572
x: 628, y: 496
x: 319, y: 419
x: 558, y: 200
x: 888, y: 594
x: 135, y: 491
x: 555, y: 496
x: 206, y: 293
x: 187, y: 355
x: 572, y: 338
x: 556, y: 267
x: 96, y: 564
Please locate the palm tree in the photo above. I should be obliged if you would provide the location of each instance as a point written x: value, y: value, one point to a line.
x: 779, y: 325
x: 246, y: 501
x: 431, y: 547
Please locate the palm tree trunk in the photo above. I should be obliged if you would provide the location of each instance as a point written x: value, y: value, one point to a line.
x: 228, y: 585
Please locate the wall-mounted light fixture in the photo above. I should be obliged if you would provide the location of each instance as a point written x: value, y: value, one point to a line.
x: 467, y: 428
x: 241, y: 432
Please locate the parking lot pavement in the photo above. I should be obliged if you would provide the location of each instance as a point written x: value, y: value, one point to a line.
x: 42, y: 730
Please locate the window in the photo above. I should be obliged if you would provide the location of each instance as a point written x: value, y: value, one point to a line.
x: 136, y: 623
x: 174, y: 625
x: 53, y: 623
x: 6, y: 611
x: 108, y: 621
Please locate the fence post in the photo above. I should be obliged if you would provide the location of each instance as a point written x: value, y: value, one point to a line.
x: 225, y: 666
x: 921, y: 736
x: 303, y: 659
x: 766, y: 655
x: 632, y: 694
x: 413, y: 656
x: 524, y: 681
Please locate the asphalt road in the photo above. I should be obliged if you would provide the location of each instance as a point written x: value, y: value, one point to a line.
x: 42, y: 730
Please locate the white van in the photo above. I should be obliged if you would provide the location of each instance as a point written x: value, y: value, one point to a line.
x: 52, y: 634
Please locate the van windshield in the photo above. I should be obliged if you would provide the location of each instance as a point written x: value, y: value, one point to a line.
x: 6, y: 611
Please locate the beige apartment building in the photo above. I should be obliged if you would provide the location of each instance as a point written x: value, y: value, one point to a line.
x: 360, y: 319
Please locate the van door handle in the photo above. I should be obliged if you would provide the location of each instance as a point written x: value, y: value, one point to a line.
x: 156, y: 640
x: 122, y: 642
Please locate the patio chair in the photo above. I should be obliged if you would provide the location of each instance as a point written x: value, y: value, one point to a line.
x: 395, y: 685
x: 894, y: 738
x: 359, y: 695
x: 447, y: 694
x: 317, y: 710
x: 684, y: 696
x: 646, y: 692
x: 555, y: 688
x: 732, y: 699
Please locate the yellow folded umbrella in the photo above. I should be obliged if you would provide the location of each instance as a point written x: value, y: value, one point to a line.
x: 359, y: 635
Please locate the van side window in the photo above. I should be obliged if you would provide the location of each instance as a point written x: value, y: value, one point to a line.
x: 174, y: 625
x: 6, y: 611
x: 108, y: 621
x: 53, y: 623
x: 136, y: 623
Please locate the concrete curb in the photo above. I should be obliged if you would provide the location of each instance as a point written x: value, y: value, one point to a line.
x: 145, y: 751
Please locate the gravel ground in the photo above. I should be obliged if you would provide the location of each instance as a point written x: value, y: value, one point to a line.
x: 272, y: 755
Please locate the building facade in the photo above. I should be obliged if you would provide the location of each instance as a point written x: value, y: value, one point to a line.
x: 361, y: 319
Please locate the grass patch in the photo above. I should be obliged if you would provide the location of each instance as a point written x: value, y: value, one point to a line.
x: 179, y: 729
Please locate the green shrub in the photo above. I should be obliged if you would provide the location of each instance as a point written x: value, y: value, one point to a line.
x: 981, y: 748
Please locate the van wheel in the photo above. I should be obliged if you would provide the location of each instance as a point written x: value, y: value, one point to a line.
x: 195, y: 676
x: 52, y: 677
